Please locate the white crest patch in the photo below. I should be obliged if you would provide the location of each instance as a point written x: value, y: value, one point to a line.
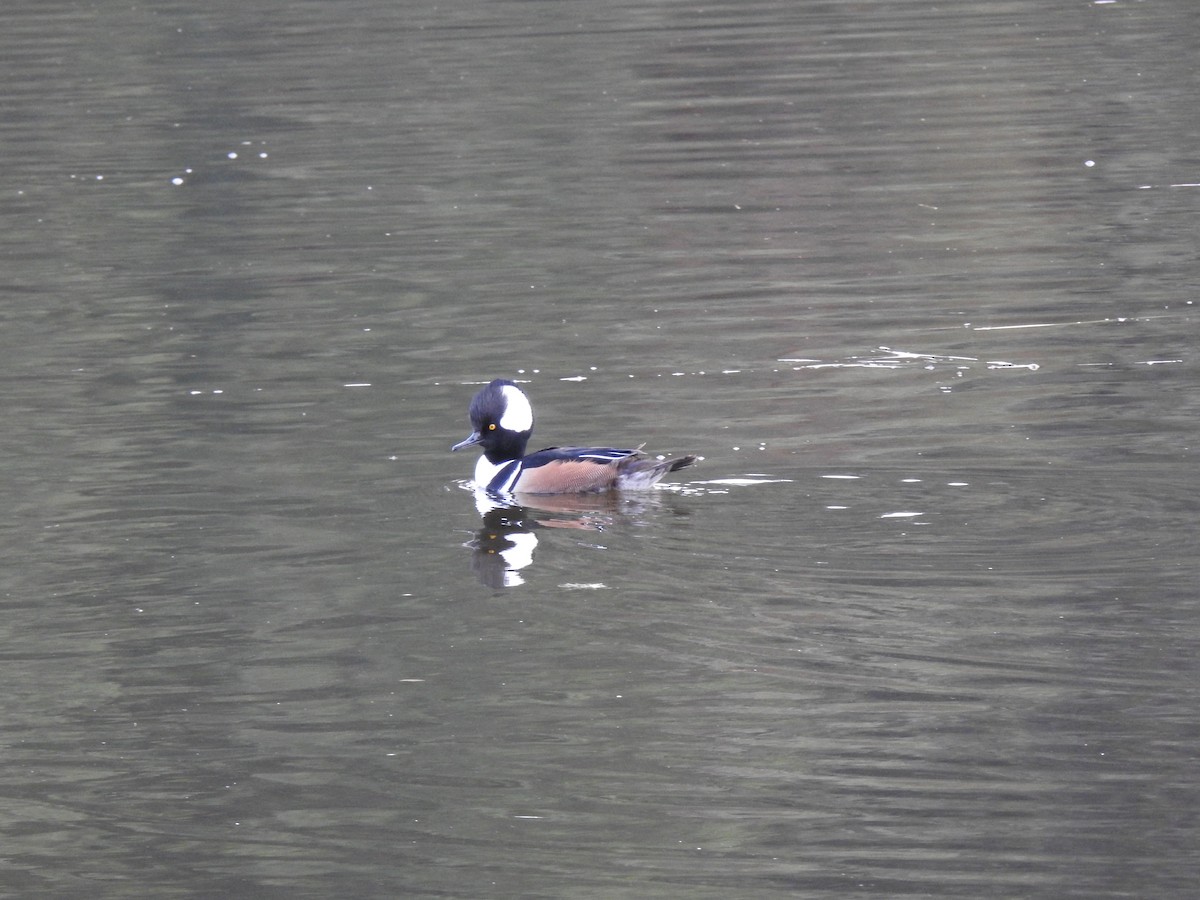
x: 518, y: 414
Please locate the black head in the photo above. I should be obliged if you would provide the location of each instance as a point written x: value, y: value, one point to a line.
x: 503, y: 421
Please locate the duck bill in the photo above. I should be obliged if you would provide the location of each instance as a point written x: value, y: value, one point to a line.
x: 467, y: 442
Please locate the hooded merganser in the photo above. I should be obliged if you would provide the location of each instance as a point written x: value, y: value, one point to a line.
x: 503, y: 421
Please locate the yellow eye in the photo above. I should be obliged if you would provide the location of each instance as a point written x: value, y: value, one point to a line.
x: 492, y: 426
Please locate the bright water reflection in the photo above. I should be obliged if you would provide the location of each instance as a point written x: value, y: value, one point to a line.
x: 916, y: 281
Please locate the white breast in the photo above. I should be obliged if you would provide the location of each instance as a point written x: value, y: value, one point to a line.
x: 486, y: 470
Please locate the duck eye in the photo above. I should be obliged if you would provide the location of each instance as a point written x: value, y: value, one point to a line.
x: 491, y: 426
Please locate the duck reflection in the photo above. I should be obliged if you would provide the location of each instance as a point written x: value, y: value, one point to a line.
x: 505, y: 544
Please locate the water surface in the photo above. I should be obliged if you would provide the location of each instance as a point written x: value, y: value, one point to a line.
x: 917, y: 282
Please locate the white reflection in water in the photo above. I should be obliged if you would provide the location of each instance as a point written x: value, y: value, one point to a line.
x: 890, y: 358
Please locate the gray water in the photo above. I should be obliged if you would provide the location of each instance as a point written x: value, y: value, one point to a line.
x: 917, y: 281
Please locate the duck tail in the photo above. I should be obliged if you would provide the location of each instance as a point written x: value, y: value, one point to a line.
x: 638, y: 474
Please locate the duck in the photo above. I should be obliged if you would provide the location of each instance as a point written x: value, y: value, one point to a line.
x: 502, y: 422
